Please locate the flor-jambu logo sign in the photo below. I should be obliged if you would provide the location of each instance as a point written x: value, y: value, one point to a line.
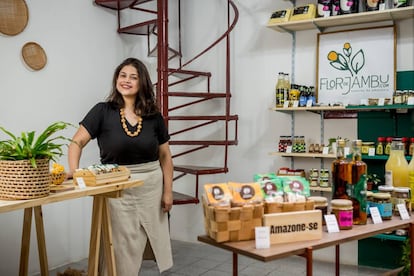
x: 356, y: 65
x: 347, y: 61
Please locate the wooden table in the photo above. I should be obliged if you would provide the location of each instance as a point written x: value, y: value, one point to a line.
x: 305, y: 249
x: 101, y: 223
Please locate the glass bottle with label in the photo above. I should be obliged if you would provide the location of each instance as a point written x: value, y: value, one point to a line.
x: 357, y: 188
x: 411, y: 147
x: 387, y: 148
x: 396, y: 167
x: 339, y: 170
x: 286, y: 86
x: 280, y: 100
x: 380, y: 146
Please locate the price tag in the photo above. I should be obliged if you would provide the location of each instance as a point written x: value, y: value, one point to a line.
x: 375, y: 215
x: 262, y: 237
x: 381, y: 101
x: 81, y: 182
x: 286, y: 104
x: 325, y: 150
x: 331, y: 223
x: 402, y: 209
x: 289, y: 149
x: 295, y: 103
x: 371, y: 151
x: 309, y: 103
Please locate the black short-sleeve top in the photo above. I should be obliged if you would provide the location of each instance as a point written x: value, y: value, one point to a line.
x: 116, y: 147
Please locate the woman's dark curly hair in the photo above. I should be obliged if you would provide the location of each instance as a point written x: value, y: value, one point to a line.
x: 145, y: 103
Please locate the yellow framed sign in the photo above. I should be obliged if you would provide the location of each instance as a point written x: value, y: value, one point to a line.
x: 356, y: 65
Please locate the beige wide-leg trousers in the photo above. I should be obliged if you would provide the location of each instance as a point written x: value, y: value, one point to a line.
x: 138, y: 216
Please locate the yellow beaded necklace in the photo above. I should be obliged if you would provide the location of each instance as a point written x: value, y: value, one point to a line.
x: 124, y: 126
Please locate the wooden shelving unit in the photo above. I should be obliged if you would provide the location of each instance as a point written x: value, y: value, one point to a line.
x: 304, y: 155
x: 313, y: 108
x: 343, y: 108
x: 342, y: 20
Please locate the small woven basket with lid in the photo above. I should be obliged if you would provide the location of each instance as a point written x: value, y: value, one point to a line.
x: 57, y: 178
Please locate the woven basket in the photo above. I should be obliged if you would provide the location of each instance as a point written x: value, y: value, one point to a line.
x: 34, y: 56
x: 19, y: 180
x: 57, y: 178
x: 14, y: 16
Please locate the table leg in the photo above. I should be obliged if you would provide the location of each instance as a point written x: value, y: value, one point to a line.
x: 309, y: 260
x: 95, y: 236
x: 25, y: 246
x: 412, y: 246
x: 337, y: 259
x: 41, y: 243
x: 235, y: 264
x: 107, y: 239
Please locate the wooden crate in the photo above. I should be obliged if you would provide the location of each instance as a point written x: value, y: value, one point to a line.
x: 92, y: 179
x: 232, y: 224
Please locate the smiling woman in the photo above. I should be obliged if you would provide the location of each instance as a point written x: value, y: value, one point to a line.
x: 14, y: 16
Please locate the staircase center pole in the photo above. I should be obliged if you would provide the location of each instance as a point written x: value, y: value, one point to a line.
x: 162, y: 87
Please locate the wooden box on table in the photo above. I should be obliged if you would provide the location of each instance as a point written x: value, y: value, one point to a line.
x: 225, y: 223
x: 91, y: 178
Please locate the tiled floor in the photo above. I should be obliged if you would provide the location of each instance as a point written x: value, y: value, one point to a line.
x: 201, y: 259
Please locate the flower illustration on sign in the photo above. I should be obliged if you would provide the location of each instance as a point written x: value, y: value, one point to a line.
x: 345, y: 61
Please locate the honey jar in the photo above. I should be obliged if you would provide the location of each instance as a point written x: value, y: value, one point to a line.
x: 401, y: 195
x: 343, y: 211
x: 383, y: 202
x: 366, y: 146
x: 321, y: 203
x: 294, y: 93
x: 313, y: 182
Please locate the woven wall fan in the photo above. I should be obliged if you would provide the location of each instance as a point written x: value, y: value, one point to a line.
x: 34, y: 55
x: 14, y: 16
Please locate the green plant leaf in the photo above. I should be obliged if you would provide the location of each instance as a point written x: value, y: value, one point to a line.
x: 26, y: 147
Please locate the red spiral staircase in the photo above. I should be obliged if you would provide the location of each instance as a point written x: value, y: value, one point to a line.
x: 155, y: 27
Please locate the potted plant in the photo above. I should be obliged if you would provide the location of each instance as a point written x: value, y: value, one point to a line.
x: 372, y: 181
x: 24, y: 161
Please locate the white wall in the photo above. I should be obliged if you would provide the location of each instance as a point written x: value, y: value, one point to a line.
x: 83, y: 49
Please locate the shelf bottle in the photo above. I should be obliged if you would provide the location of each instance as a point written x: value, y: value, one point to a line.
x: 339, y: 171
x: 396, y: 167
x: 286, y: 86
x: 380, y: 146
x: 387, y: 148
x: 357, y: 188
x: 280, y: 100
